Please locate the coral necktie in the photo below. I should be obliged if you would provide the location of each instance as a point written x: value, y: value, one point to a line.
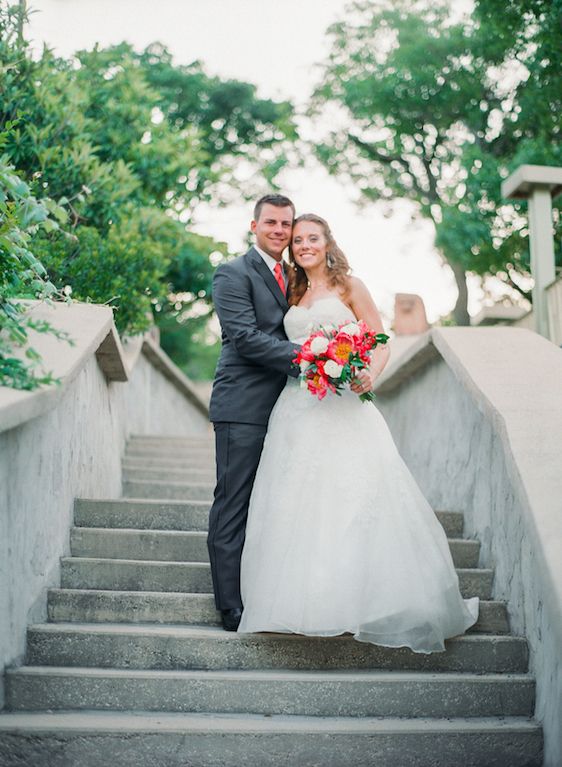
x: 278, y: 271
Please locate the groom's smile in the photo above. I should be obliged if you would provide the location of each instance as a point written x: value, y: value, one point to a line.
x: 273, y: 229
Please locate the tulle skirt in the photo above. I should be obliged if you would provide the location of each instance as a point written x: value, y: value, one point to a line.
x: 339, y: 536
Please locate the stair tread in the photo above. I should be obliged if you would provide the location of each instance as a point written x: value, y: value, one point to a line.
x: 165, y: 482
x: 123, y: 531
x: 330, y: 675
x: 173, y: 595
x: 143, y: 531
x: 146, y: 502
x: 248, y: 723
x: 183, y: 563
x: 216, y: 632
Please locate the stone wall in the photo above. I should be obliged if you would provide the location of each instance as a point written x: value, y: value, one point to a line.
x: 477, y: 419
x: 73, y: 448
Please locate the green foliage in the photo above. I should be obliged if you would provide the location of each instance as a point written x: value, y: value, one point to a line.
x: 184, y: 317
x: 190, y: 344
x: 234, y: 126
x: 129, y: 144
x: 22, y: 275
x: 439, y: 112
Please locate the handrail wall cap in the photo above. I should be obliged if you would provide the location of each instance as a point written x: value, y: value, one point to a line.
x: 514, y: 377
x: 92, y: 330
x: 87, y: 325
x: 155, y: 354
x: 521, y: 183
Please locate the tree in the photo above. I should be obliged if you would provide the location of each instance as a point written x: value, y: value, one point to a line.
x: 412, y: 93
x: 22, y: 275
x: 423, y: 118
x: 128, y: 145
x: 520, y: 42
x: 235, y: 127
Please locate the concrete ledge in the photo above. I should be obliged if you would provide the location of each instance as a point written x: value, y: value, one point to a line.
x: 111, y: 357
x: 66, y: 441
x: 92, y: 331
x: 480, y: 423
x: 408, y: 354
x: 164, y: 364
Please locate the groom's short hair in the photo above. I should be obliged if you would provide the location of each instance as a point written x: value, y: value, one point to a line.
x: 273, y: 199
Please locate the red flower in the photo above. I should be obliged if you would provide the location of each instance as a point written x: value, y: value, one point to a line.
x: 318, y: 384
x: 340, y: 348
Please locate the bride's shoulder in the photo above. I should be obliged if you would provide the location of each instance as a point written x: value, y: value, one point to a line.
x: 357, y: 288
x: 361, y: 300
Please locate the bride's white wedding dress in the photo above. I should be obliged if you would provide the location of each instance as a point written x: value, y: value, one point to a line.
x: 339, y: 537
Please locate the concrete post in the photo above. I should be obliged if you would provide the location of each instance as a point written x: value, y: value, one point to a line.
x: 542, y: 253
x: 538, y: 184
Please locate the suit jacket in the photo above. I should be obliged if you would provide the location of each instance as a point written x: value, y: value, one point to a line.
x: 256, y: 356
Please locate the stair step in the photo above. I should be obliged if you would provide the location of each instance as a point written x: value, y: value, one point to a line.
x: 296, y: 693
x: 151, y: 488
x: 162, y: 545
x: 181, y: 446
x: 203, y: 463
x: 190, y: 546
x: 103, y: 606
x: 204, y: 647
x: 142, y: 514
x: 92, y: 738
x: 198, y: 475
x: 148, y: 514
x: 155, y: 439
x: 145, y: 575
x: 194, y: 459
x: 135, y: 575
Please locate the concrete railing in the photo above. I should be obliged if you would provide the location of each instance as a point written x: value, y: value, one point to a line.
x: 553, y: 294
x: 477, y: 415
x: 67, y: 440
x: 554, y: 308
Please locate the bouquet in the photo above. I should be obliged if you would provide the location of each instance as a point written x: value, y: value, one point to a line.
x: 331, y: 357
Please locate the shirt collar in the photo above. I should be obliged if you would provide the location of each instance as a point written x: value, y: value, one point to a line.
x: 269, y: 260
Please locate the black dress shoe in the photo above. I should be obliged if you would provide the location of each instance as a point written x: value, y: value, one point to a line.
x: 231, y: 618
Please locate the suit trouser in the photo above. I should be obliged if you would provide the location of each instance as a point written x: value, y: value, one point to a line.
x: 238, y: 451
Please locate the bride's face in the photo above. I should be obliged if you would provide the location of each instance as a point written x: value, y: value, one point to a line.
x: 309, y: 245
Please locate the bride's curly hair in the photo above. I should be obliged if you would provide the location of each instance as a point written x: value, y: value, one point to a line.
x: 338, y: 268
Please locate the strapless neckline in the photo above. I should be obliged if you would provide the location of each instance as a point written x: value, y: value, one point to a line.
x: 300, y: 321
x: 319, y: 300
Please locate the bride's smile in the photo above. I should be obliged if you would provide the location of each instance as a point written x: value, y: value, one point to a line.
x: 309, y: 248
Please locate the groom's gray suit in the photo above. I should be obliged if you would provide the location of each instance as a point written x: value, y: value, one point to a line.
x: 252, y: 370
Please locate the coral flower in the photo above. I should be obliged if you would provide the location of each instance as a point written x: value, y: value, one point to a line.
x: 340, y: 348
x: 318, y: 385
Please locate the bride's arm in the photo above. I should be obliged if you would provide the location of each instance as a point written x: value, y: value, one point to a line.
x: 364, y: 308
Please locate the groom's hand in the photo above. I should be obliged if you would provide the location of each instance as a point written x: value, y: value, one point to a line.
x: 363, y: 382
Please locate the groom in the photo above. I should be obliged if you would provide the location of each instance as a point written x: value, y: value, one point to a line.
x: 250, y: 297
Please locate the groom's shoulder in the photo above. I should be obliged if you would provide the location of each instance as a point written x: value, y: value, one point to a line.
x: 238, y: 265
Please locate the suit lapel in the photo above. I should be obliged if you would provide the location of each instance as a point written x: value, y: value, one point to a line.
x: 265, y: 272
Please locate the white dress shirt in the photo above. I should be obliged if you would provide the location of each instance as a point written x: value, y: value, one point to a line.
x: 271, y: 262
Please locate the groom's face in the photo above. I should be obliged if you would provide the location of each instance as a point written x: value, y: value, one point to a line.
x: 273, y: 229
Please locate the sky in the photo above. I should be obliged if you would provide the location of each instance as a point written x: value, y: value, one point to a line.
x: 277, y: 46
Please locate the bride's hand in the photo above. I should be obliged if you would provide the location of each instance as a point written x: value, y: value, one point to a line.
x: 363, y: 382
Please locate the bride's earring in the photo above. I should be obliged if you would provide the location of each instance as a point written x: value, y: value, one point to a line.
x: 329, y: 261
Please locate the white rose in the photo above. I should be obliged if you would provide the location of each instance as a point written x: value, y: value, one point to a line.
x: 352, y: 329
x: 332, y: 369
x: 319, y: 345
x: 304, y: 365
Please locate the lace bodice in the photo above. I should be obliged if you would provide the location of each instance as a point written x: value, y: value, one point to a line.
x: 300, y: 321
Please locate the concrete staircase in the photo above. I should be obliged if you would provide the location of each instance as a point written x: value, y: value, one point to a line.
x: 133, y: 669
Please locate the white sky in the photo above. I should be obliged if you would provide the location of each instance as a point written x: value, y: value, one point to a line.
x: 276, y: 46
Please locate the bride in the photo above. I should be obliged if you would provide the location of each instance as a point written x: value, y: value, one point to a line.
x: 339, y: 537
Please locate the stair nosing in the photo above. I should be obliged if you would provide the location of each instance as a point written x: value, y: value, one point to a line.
x: 255, y: 723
